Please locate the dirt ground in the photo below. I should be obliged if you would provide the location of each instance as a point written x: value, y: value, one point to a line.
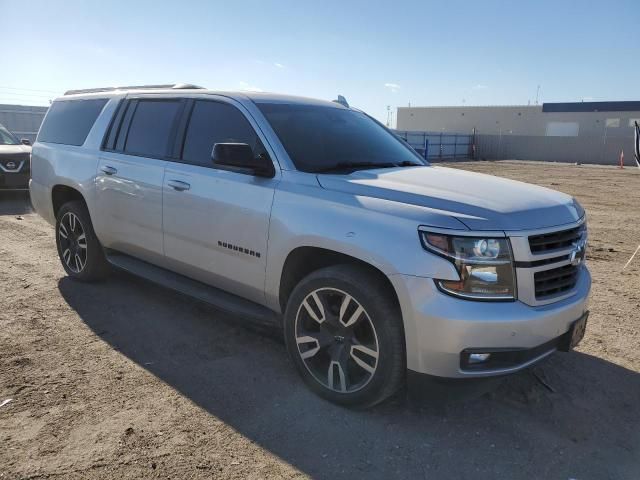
x: 124, y: 379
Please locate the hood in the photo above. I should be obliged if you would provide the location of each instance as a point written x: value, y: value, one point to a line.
x: 14, y: 149
x: 479, y: 201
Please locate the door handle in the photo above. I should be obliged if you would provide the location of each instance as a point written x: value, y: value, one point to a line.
x: 178, y: 185
x: 108, y: 170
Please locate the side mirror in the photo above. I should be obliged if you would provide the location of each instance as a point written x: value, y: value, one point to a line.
x: 239, y: 157
x: 25, y: 141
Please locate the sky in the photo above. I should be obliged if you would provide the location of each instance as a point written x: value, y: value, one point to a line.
x: 378, y: 54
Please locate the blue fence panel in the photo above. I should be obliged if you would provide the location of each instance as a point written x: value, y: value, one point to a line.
x: 436, y: 145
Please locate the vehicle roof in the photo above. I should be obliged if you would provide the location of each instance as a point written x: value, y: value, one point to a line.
x: 256, y: 97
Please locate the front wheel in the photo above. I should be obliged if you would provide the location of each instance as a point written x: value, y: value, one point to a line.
x: 79, y: 250
x: 344, y: 333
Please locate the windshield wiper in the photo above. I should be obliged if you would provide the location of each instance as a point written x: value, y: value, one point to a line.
x: 352, y: 166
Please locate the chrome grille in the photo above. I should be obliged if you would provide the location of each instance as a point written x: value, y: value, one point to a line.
x: 555, y: 240
x: 549, y: 283
x: 544, y: 259
x: 11, y: 163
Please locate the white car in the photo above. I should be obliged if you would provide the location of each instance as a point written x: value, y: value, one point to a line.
x: 313, y: 217
x: 14, y: 161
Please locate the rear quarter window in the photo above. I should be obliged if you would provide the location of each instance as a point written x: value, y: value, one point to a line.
x: 68, y: 122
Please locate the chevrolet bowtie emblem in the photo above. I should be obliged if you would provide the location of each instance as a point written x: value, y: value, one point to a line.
x: 577, y: 254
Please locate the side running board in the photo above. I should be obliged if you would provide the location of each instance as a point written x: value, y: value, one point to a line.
x: 227, y: 302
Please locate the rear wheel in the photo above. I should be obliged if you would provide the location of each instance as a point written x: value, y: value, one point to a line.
x: 344, y: 333
x: 79, y: 250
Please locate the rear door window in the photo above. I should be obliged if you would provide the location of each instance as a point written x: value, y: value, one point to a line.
x: 152, y: 128
x: 69, y: 121
x: 214, y: 122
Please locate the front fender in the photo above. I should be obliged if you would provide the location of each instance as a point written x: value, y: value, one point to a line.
x: 370, y: 230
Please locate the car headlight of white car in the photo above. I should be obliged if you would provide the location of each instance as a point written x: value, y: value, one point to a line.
x: 485, y: 265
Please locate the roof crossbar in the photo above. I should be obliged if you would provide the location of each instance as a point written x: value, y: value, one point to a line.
x: 175, y: 86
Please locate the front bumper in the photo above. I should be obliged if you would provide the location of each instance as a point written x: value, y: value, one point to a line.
x: 14, y: 181
x: 424, y: 388
x: 438, y: 327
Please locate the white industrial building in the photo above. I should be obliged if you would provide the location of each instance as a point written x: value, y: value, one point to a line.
x: 589, y: 132
x: 548, y: 119
x: 23, y: 120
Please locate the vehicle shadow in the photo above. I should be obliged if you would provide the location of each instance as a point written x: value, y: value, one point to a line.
x: 15, y: 203
x: 575, y: 416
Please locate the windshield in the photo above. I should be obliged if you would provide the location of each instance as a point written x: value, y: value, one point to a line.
x: 321, y: 138
x: 7, y: 138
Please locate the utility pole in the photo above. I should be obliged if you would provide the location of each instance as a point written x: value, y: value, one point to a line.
x: 537, y: 94
x: 388, y: 116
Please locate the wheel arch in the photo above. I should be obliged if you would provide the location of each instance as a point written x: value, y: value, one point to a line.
x: 303, y: 260
x: 61, y: 194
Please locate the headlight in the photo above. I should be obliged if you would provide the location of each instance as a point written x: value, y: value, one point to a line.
x: 485, y: 265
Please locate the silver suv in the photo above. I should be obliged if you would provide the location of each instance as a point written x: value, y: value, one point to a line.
x: 311, y: 216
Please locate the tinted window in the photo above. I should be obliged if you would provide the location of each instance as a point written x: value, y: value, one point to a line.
x: 319, y: 137
x: 69, y: 121
x: 214, y: 122
x: 150, y: 131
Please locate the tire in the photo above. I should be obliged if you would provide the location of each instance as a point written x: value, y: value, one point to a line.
x: 78, y: 247
x: 344, y: 321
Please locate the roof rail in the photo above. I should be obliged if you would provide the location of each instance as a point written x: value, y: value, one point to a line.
x: 176, y: 86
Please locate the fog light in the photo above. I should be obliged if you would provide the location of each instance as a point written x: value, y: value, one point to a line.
x: 478, y: 357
